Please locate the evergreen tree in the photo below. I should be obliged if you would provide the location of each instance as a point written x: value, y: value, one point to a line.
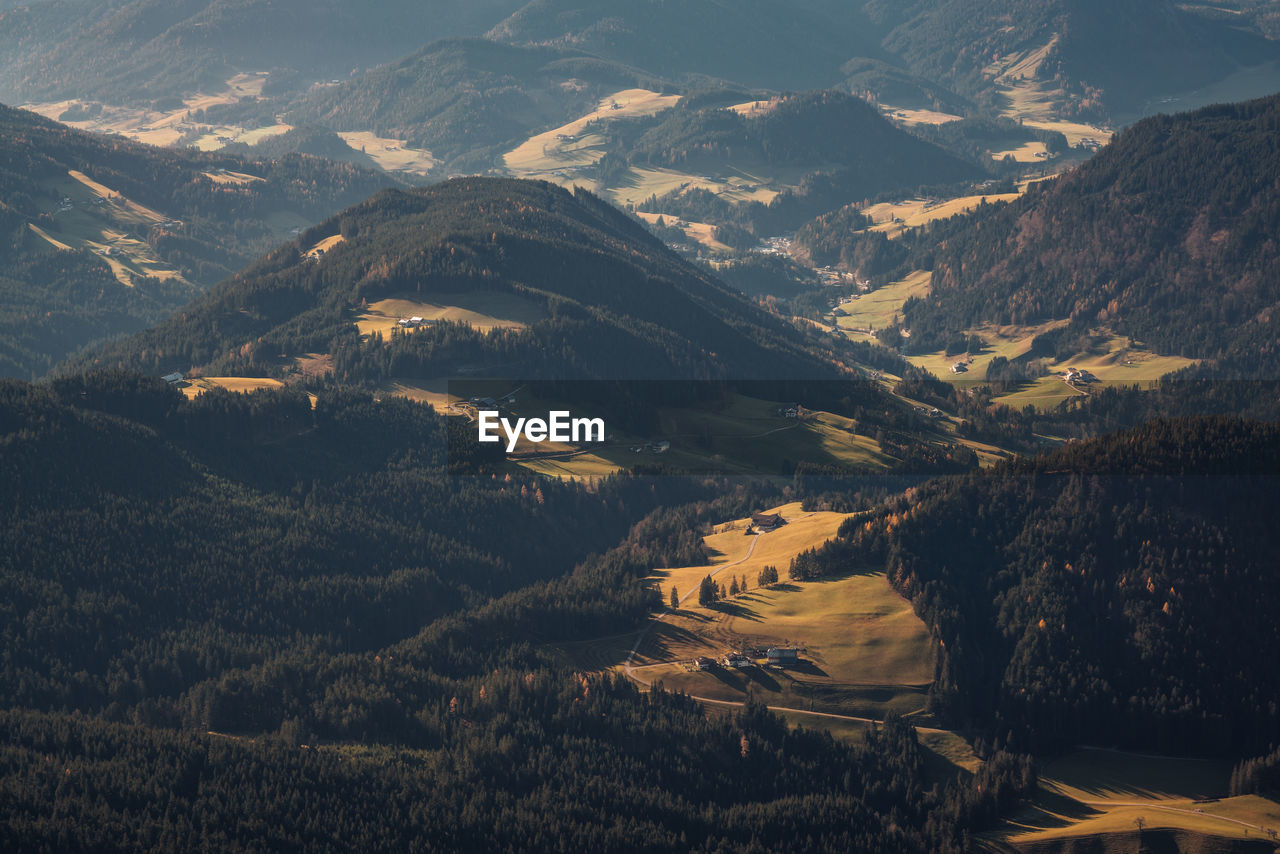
x: 707, y: 592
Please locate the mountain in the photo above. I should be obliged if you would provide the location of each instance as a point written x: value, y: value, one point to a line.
x: 1106, y: 58
x: 810, y: 131
x: 1167, y: 235
x: 571, y: 287
x: 840, y: 145
x: 465, y: 99
x: 1104, y: 591
x: 296, y: 626
x: 127, y: 51
x: 797, y: 45
x: 103, y: 236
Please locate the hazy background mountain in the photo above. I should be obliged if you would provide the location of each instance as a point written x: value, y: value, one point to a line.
x: 130, y: 50
x: 103, y: 236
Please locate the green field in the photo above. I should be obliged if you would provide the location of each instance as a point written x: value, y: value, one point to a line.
x: 1116, y: 361
x: 879, y: 309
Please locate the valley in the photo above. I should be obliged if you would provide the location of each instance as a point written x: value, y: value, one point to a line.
x: 925, y: 354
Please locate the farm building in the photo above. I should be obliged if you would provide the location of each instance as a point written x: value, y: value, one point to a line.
x: 960, y: 368
x: 703, y: 663
x: 736, y: 659
x: 767, y: 521
x: 175, y: 377
x: 783, y: 655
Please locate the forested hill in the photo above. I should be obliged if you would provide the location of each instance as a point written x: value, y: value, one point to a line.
x: 1167, y: 235
x: 823, y: 129
x: 467, y: 98
x: 1117, y: 591
x: 239, y: 624
x: 590, y: 293
x: 1102, y: 57
x: 133, y: 51
x: 791, y: 45
x: 100, y: 235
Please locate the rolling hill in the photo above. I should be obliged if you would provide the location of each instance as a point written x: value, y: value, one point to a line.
x: 127, y: 51
x: 104, y: 236
x: 755, y: 42
x: 1165, y: 236
x: 1097, y: 58
x: 572, y: 287
x: 463, y: 99
x: 305, y: 631
x: 1104, y: 591
x: 835, y: 147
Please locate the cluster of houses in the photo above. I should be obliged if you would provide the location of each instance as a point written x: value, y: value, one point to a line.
x: 775, y: 246
x: 789, y: 410
x: 65, y: 203
x: 776, y: 657
x: 411, y: 322
x: 1078, y: 376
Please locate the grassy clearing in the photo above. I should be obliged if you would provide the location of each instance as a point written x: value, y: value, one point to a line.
x: 878, y: 309
x: 197, y: 386
x: 97, y: 219
x: 910, y: 117
x: 1010, y: 342
x: 737, y: 183
x: 1033, y: 101
x: 166, y: 128
x: 1117, y: 361
x: 391, y: 155
x: 124, y: 210
x: 324, y: 245
x: 566, y: 147
x: 866, y: 652
x: 53, y: 241
x: 697, y: 232
x: 730, y: 543
x: 232, y: 178
x: 1099, y: 793
x: 1075, y: 132
x: 894, y: 217
x: 1029, y: 152
x: 756, y: 108
x: 482, y: 310
x: 434, y: 392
